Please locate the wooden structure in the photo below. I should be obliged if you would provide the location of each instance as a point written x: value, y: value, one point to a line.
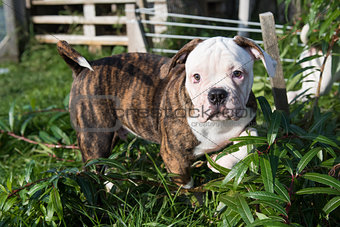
x: 271, y: 46
x: 122, y: 16
x: 15, y: 21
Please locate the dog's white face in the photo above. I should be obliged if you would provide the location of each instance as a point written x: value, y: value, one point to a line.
x: 219, y: 78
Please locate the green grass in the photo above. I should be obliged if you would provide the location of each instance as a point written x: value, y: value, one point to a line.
x: 54, y: 189
x: 40, y: 80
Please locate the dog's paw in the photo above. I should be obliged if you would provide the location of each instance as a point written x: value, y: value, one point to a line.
x: 108, y: 186
x: 189, y: 185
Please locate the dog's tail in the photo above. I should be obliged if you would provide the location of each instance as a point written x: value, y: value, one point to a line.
x: 72, y: 57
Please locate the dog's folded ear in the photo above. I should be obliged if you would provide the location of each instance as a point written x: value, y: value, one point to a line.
x: 180, y: 57
x: 258, y: 53
x: 72, y: 57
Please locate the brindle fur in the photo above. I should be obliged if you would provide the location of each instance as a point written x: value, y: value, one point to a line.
x: 140, y: 82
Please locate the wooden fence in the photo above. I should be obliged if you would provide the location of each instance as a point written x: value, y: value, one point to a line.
x: 122, y: 15
x: 133, y: 35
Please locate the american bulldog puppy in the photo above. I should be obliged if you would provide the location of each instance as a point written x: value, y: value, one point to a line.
x: 190, y: 104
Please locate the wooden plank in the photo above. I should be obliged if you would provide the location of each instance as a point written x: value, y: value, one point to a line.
x: 90, y: 29
x: 80, y: 2
x: 98, y: 20
x: 84, y: 40
x: 271, y: 47
x: 137, y: 42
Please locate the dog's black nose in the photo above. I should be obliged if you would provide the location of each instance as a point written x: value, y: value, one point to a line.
x: 217, y: 96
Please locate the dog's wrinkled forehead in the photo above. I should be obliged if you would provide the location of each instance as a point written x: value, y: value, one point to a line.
x: 216, y: 49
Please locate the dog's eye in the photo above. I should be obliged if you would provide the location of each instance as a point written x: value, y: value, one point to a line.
x: 237, y: 74
x: 197, y: 77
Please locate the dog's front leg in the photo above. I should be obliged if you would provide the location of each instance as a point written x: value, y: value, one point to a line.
x: 229, y: 160
x: 177, y: 163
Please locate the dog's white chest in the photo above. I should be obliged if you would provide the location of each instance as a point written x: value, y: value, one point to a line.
x: 215, y: 135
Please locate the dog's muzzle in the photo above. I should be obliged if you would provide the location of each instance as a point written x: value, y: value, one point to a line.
x: 218, y: 99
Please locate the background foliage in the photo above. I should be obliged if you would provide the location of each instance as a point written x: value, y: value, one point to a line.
x: 290, y: 177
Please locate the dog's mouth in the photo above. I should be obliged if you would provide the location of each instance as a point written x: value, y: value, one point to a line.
x: 220, y: 113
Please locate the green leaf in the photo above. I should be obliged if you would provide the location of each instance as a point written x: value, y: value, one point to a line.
x: 107, y: 162
x: 288, y: 165
x: 66, y: 101
x: 297, y: 130
x: 273, y: 205
x: 240, y: 174
x: 325, y: 140
x: 3, y: 188
x: 55, y: 117
x: 318, y: 190
x: 50, y: 210
x: 302, y: 70
x: 265, y: 107
x: 268, y: 222
x: 9, y: 203
x: 221, y: 169
x: 56, y: 202
x: 244, y: 209
x: 24, y: 125
x: 331, y: 205
x: 162, y: 178
x: 326, y: 24
x: 229, y: 201
x: 231, y: 217
x: 3, y: 198
x: 306, y: 159
x: 29, y: 168
x: 88, y: 189
x: 244, y: 165
x: 233, y: 172
x: 330, y: 162
x: 284, y: 121
x: 335, y: 60
x: 281, y: 190
x: 294, y: 151
x: 330, y: 151
x: 309, y: 58
x: 9, y: 182
x: 36, y: 188
x: 235, y: 147
x: 4, y: 127
x: 319, y: 122
x: 323, y: 179
x: 266, y: 196
x: 11, y: 116
x: 275, y: 122
x: 250, y: 139
x: 47, y: 138
x: 261, y: 216
x: 57, y: 132
x: 266, y: 173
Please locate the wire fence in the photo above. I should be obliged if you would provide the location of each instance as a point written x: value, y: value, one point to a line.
x: 224, y: 25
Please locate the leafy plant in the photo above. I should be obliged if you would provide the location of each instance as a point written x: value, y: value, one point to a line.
x: 290, y: 177
x: 277, y: 182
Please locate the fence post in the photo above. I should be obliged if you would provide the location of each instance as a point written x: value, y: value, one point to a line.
x: 136, y: 40
x: 90, y: 29
x: 271, y: 47
x: 243, y: 16
x: 9, y: 45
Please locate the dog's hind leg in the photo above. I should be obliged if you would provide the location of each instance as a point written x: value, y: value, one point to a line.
x: 97, y: 127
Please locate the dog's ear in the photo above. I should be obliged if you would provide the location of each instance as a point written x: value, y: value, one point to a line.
x: 180, y: 57
x: 258, y: 53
